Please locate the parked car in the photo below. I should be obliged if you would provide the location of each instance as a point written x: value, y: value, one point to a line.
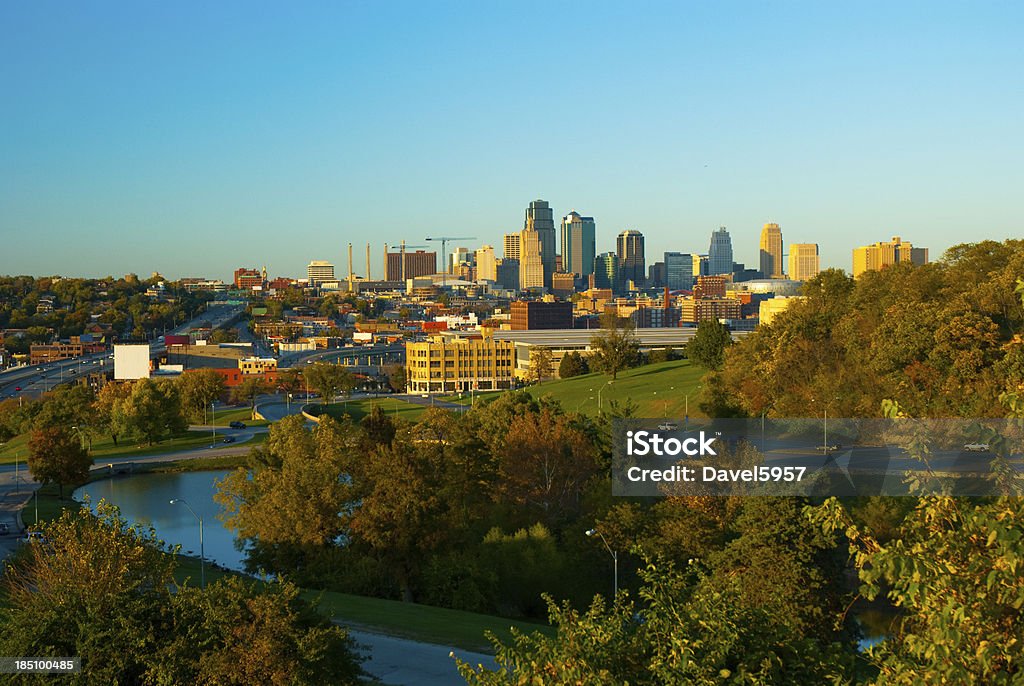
x: 237, y: 425
x: 976, y: 447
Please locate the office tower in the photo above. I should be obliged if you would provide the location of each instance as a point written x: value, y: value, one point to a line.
x: 606, y: 271
x: 720, y: 252
x: 461, y: 257
x: 630, y: 246
x: 507, y: 274
x: 656, y: 275
x: 700, y: 265
x: 578, y: 244
x: 679, y: 271
x: 771, y: 252
x: 540, y: 219
x: 803, y: 261
x: 886, y: 254
x: 319, y: 271
x: 531, y: 261
x: 512, y: 246
x: 417, y: 263
x: 486, y: 265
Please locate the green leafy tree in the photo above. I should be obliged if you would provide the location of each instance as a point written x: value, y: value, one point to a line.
x: 616, y: 346
x: 572, y: 364
x: 56, y: 456
x: 328, y: 380
x: 709, y: 343
x: 540, y: 364
x: 107, y: 407
x: 198, y: 389
x: 397, y: 378
x: 251, y: 388
x: 151, y: 411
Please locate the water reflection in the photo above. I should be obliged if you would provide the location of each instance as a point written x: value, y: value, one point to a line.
x: 145, y: 499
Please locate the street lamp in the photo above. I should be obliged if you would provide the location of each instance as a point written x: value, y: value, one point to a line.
x: 601, y: 390
x: 202, y: 553
x: 213, y: 422
x: 686, y: 403
x: 614, y: 554
x: 825, y: 409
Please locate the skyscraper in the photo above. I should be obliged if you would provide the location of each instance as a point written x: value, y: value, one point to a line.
x: 630, y: 245
x: 531, y: 261
x: 606, y: 271
x: 678, y: 271
x: 512, y: 246
x: 771, y: 252
x: 886, y: 254
x: 578, y: 244
x: 319, y: 271
x: 720, y: 252
x: 486, y: 265
x: 803, y: 261
x: 540, y: 219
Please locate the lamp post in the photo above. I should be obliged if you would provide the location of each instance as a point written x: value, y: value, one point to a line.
x: 600, y: 404
x: 825, y: 414
x: 213, y: 422
x: 686, y: 404
x: 202, y: 553
x: 613, y: 553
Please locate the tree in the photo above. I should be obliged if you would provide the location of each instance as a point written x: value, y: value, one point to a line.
x: 151, y: 411
x: 251, y: 388
x: 69, y: 407
x: 107, y: 406
x: 708, y: 345
x: 224, y: 336
x: 397, y: 378
x: 616, y: 347
x: 57, y: 456
x: 540, y: 364
x: 572, y: 364
x: 289, y: 380
x: 198, y: 389
x: 328, y: 380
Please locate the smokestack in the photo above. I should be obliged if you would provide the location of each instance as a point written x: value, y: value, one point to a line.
x: 666, y: 298
x: 385, y: 261
x: 350, y: 266
x: 367, y: 261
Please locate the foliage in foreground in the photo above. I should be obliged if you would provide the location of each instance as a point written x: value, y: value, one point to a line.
x: 103, y: 591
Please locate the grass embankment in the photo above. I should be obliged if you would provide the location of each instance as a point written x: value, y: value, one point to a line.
x: 659, y: 390
x: 103, y: 448
x: 408, y: 620
x: 357, y: 409
x: 236, y: 414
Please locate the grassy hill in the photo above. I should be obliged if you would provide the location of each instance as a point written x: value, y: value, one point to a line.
x: 659, y: 390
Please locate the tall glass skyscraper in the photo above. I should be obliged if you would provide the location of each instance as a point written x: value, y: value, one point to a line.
x: 678, y: 271
x: 540, y: 219
x: 579, y: 246
x: 606, y: 271
x: 720, y: 253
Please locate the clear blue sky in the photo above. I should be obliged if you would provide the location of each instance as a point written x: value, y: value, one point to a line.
x: 192, y: 138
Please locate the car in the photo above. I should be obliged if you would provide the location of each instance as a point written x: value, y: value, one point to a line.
x: 4, y: 529
x: 34, y: 537
x: 17, y: 388
x: 237, y: 425
x: 976, y: 447
x: 829, y: 448
x: 228, y: 439
x: 668, y: 426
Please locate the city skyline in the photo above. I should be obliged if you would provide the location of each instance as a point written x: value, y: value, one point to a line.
x: 291, y: 134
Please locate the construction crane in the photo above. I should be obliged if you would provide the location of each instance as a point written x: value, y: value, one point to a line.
x: 444, y: 249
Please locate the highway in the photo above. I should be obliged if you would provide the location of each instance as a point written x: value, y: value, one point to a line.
x: 31, y: 381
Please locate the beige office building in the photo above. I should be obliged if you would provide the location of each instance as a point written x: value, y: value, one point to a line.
x: 531, y: 260
x: 451, y: 362
x: 486, y: 264
x: 804, y: 263
x: 886, y: 254
x: 771, y: 252
x: 319, y: 271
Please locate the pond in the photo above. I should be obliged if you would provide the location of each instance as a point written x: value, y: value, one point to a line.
x: 145, y: 499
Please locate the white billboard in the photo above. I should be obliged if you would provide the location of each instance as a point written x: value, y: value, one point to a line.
x: 131, y: 361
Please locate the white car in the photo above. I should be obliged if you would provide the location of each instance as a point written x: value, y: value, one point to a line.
x: 976, y: 447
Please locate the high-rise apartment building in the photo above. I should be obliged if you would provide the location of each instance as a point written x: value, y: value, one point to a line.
x: 319, y: 271
x: 540, y: 219
x: 678, y: 271
x: 630, y: 247
x: 486, y: 264
x: 720, y: 252
x: 579, y: 246
x: 606, y: 271
x: 771, y: 251
x: 804, y: 263
x: 886, y: 254
x: 512, y: 246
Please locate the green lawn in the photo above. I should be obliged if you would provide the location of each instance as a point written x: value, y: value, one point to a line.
x: 238, y: 414
x: 357, y: 409
x: 659, y: 390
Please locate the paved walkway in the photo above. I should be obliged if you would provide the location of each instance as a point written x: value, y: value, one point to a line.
x: 401, y: 662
